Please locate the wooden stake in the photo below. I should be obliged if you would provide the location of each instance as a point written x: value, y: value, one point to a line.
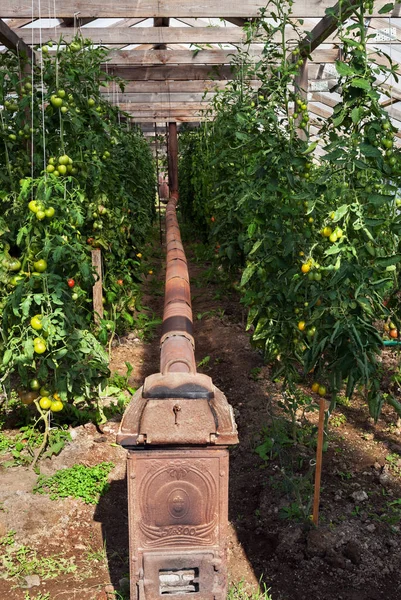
x: 319, y: 460
x: 98, y: 287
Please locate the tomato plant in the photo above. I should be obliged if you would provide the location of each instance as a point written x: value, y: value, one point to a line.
x: 56, y: 191
x: 315, y: 235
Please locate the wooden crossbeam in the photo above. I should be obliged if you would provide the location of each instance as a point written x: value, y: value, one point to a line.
x: 177, y: 107
x: 164, y: 98
x: 166, y: 118
x: 181, y: 57
x: 140, y: 35
x: 154, y: 36
x: 328, y: 25
x: 204, y: 57
x: 178, y: 73
x: 164, y: 8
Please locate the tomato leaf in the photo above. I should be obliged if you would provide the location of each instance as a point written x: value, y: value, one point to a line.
x: 388, y: 261
x: 360, y: 82
x: 386, y: 8
x: 247, y: 274
x: 7, y: 356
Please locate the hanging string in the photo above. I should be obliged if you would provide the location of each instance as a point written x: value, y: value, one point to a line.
x: 32, y: 95
x: 42, y: 86
x: 55, y: 20
x: 391, y: 58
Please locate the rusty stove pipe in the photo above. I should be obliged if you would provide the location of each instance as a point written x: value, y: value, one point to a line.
x: 177, y: 342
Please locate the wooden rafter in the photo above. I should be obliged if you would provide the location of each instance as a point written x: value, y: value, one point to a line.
x: 11, y: 40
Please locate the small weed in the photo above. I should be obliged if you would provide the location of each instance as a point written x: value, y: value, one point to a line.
x: 96, y: 555
x: 392, y: 514
x: 293, y: 512
x: 356, y: 512
x: 25, y: 561
x: 338, y: 420
x: 343, y: 401
x: 121, y: 381
x: 39, y: 596
x: 254, y: 373
x: 23, y: 444
x: 8, y: 539
x: 238, y: 591
x: 205, y: 361
x: 345, y: 475
x: 4, y: 442
x: 87, y: 483
x: 394, y: 461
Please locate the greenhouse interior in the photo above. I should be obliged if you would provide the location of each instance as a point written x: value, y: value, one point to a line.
x: 200, y: 300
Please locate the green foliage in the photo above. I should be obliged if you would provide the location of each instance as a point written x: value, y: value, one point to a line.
x: 239, y: 591
x: 23, y: 445
x: 73, y: 178
x: 8, y: 538
x: 87, y: 483
x: 23, y: 561
x: 315, y: 238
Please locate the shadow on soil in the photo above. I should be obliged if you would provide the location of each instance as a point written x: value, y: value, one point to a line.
x: 112, y: 513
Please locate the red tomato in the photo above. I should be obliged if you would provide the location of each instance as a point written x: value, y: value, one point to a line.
x: 71, y: 283
x: 120, y: 282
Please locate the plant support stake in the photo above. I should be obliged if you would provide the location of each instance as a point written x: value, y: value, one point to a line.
x: 319, y: 460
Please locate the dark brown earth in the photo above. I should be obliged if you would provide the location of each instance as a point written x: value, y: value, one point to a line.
x: 353, y: 555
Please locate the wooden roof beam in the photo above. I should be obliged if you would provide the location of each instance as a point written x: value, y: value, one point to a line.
x: 11, y: 40
x: 328, y: 25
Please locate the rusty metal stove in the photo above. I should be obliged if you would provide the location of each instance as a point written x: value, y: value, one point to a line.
x: 177, y: 429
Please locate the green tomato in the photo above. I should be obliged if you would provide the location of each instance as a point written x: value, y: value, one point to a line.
x: 62, y: 169
x: 39, y: 345
x: 61, y: 93
x: 63, y: 160
x: 49, y: 212
x: 36, y: 322
x: 57, y: 102
x: 40, y: 215
x: 34, y: 384
x: 387, y: 143
x: 50, y: 168
x: 14, y: 264
x: 45, y: 403
x: 40, y: 266
x: 15, y: 280
x: 56, y: 406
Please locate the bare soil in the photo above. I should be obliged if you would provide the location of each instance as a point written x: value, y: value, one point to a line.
x: 353, y: 555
